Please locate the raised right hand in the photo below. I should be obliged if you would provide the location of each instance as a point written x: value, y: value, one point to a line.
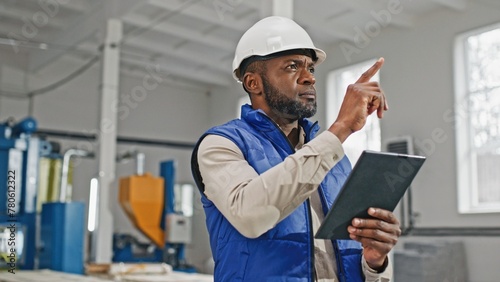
x: 361, y: 99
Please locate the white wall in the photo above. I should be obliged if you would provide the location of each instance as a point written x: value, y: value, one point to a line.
x: 418, y: 81
x: 223, y: 103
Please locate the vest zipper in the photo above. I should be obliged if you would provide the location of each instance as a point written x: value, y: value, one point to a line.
x: 338, y: 257
x: 311, y: 241
x: 340, y: 265
x: 308, y: 203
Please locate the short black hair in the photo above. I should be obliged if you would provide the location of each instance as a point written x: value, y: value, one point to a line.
x: 248, y: 61
x: 256, y: 66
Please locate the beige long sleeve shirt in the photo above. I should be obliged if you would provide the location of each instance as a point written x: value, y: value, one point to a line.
x: 255, y: 203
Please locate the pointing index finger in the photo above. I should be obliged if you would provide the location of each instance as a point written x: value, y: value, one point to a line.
x: 368, y: 74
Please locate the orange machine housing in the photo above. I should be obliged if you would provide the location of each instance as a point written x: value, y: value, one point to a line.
x: 142, y: 199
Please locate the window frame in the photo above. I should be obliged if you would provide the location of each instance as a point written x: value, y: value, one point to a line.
x: 333, y: 102
x: 466, y: 165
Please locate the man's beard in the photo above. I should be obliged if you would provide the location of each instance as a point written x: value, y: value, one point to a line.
x: 279, y: 102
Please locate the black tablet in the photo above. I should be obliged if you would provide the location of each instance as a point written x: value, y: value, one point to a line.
x: 378, y: 179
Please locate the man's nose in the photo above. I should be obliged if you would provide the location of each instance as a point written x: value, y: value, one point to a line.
x: 307, y: 77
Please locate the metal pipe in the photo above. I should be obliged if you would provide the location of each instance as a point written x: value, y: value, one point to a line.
x: 411, y: 213
x: 139, y: 160
x: 119, y: 139
x: 407, y: 213
x: 139, y: 163
x: 126, y: 155
x: 402, y: 210
x: 455, y: 231
x: 65, y: 169
x: 152, y: 142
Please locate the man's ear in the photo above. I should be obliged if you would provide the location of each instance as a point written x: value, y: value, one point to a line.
x: 252, y: 82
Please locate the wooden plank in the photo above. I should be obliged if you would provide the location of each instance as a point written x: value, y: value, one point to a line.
x: 46, y: 276
x: 172, y: 277
x: 54, y: 276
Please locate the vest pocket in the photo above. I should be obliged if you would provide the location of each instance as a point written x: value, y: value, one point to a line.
x: 244, y: 255
x: 231, y: 262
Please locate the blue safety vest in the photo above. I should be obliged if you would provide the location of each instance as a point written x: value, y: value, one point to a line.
x: 285, y: 252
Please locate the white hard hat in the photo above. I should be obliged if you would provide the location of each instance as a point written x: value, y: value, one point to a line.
x: 272, y: 35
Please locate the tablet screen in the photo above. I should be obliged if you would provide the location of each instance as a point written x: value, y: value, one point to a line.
x: 378, y: 179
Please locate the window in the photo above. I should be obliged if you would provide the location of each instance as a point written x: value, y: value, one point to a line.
x: 369, y: 136
x: 477, y: 119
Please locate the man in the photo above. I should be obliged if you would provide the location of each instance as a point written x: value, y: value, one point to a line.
x: 267, y: 184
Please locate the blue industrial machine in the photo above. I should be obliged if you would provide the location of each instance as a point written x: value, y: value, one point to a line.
x: 31, y: 238
x: 45, y: 229
x: 62, y: 237
x: 177, y: 225
x: 62, y: 225
x: 19, y: 156
x: 151, y: 208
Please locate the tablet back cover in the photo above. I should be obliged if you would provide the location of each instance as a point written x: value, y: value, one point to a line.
x: 378, y: 179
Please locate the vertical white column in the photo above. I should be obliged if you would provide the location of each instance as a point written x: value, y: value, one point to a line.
x: 283, y: 8
x: 102, y: 239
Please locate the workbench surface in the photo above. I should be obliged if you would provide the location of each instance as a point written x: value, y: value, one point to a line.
x: 54, y: 276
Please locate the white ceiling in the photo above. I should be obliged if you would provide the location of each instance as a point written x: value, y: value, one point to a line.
x: 188, y: 41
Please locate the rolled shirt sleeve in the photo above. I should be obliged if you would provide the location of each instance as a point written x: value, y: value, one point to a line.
x: 255, y: 203
x: 372, y: 275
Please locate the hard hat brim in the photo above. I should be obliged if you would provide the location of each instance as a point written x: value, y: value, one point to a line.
x: 319, y: 54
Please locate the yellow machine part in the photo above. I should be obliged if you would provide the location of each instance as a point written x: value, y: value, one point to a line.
x: 49, y: 181
x: 142, y: 199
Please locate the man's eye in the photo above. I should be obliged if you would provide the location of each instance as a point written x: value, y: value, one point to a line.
x: 312, y: 70
x: 293, y: 66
